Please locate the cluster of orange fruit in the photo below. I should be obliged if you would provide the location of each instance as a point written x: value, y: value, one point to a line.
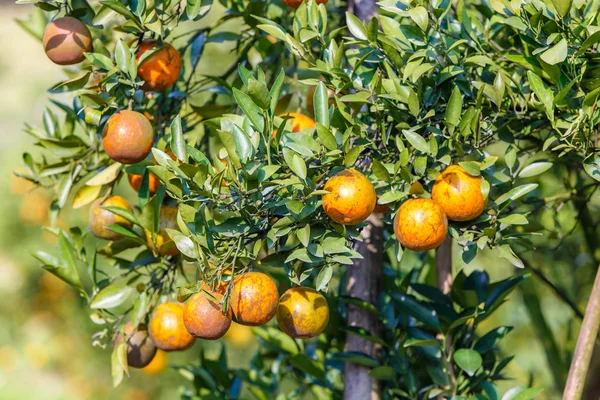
x: 421, y: 223
x: 301, y: 313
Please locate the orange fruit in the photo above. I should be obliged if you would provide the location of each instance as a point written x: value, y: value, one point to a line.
x: 351, y: 199
x: 300, y: 121
x: 127, y: 137
x: 135, y: 181
x: 381, y: 208
x: 20, y: 185
x: 459, y: 194
x: 203, y: 317
x: 167, y: 329
x: 162, y: 69
x: 420, y: 224
x: 140, y: 348
x: 239, y: 335
x: 254, y: 299
x: 296, y: 3
x: 302, y: 313
x: 158, y: 363
x: 65, y: 40
x: 163, y: 243
x: 100, y: 219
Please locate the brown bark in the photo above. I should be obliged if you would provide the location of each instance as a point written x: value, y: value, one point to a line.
x: 443, y: 266
x: 364, y: 282
x: 585, y: 345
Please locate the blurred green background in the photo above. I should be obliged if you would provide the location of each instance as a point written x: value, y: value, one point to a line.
x: 45, y: 334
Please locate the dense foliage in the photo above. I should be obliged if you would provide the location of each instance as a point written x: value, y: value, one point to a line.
x: 507, y: 92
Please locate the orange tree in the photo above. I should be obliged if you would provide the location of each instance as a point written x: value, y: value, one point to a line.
x: 423, y: 126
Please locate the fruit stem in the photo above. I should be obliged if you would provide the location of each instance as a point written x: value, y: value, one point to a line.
x: 585, y: 345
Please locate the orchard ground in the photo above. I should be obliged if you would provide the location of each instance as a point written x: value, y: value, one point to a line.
x: 45, y: 350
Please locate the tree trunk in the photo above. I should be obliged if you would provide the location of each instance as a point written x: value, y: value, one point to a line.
x: 443, y: 266
x: 364, y: 279
x: 364, y: 282
x: 585, y: 345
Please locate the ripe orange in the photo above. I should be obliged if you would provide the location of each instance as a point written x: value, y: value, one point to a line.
x: 158, y: 363
x: 65, y: 40
x: 296, y: 3
x: 163, y: 243
x: 135, y: 181
x: 351, y: 199
x: 254, y: 299
x: 302, y: 313
x: 459, y: 194
x: 162, y: 70
x: 99, y: 219
x: 420, y: 224
x: 203, y: 317
x: 140, y: 348
x: 127, y: 137
x: 167, y: 329
x: 300, y: 121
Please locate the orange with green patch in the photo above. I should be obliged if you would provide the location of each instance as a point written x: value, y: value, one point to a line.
x: 352, y: 197
x: 100, y: 219
x: 420, y: 224
x: 127, y: 137
x: 167, y: 329
x: 162, y: 69
x: 203, y: 317
x: 302, y: 313
x: 459, y: 194
x: 162, y: 242
x: 254, y: 299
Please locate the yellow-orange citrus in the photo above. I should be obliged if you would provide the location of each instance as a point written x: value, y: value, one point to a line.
x: 127, y: 137
x: 162, y: 69
x: 65, y: 40
x: 158, y: 363
x: 352, y: 197
x: 167, y: 329
x: 459, y: 194
x: 100, y: 219
x: 239, y: 335
x: 302, y: 313
x: 254, y: 299
x: 203, y: 317
x: 420, y: 224
x: 300, y: 121
x: 163, y: 243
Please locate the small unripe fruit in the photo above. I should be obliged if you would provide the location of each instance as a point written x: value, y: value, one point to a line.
x: 302, y: 313
x: 420, y: 224
x: 65, y: 40
x: 203, y: 317
x: 167, y: 329
x: 254, y: 299
x: 127, y: 137
x: 100, y: 219
x: 352, y: 197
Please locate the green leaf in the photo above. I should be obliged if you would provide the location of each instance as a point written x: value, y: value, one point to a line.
x: 105, y: 176
x: 196, y: 9
x: 356, y: 358
x: 356, y: 26
x: 259, y: 93
x: 122, y: 56
x: 380, y: 171
x: 275, y: 91
x: 516, y: 193
x: 252, y: 111
x: 419, y: 16
x: 421, y: 342
x: 308, y: 365
x: 178, y: 145
x: 522, y: 393
x: 542, y: 92
x: 323, y: 277
x: 454, y: 108
x: 352, y: 155
x: 417, y: 309
x: 383, y: 373
x: 555, y: 54
x: 112, y: 295
x: 277, y: 339
x: 506, y: 252
x: 326, y: 137
x: 562, y: 7
x: 118, y: 361
x: 591, y: 165
x: 183, y: 243
x: 468, y: 360
x: 416, y: 140
x: 321, y: 104
x: 534, y: 169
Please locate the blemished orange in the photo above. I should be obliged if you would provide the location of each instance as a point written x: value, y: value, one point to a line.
x: 163, y: 243
x: 162, y: 70
x: 296, y: 3
x: 459, y: 194
x: 158, y: 363
x: 254, y: 299
x: 352, y: 197
x: 302, y: 313
x: 203, y: 317
x: 65, y: 40
x: 100, y: 219
x: 127, y: 137
x: 167, y: 329
x: 140, y: 347
x: 420, y: 224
